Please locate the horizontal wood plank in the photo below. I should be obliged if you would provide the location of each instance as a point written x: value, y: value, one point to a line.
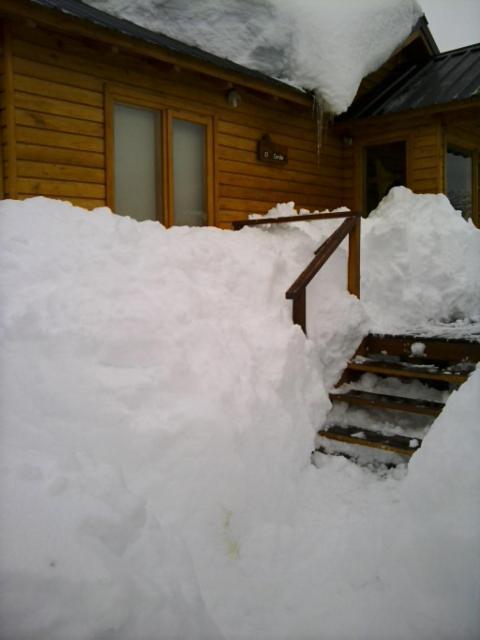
x: 289, y: 176
x: 254, y: 182
x: 43, y: 170
x: 59, y: 139
x: 311, y: 168
x: 58, y: 107
x: 60, y: 90
x: 58, y: 123
x: 41, y: 69
x: 46, y: 154
x: 383, y: 401
x: 60, y: 188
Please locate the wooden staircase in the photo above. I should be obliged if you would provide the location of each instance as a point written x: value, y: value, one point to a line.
x: 419, y: 365
x: 373, y: 419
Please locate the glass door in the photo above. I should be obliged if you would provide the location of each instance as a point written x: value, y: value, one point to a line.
x: 385, y: 167
x: 459, y: 180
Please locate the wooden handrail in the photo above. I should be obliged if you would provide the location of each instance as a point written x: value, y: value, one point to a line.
x: 238, y: 224
x: 297, y: 292
x: 322, y: 254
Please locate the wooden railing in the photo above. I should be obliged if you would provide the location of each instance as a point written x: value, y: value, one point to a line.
x: 238, y: 224
x: 298, y: 291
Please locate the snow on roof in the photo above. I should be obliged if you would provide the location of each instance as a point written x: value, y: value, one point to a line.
x: 324, y: 46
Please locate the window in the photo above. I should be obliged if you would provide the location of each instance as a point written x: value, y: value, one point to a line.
x: 459, y: 180
x: 159, y: 165
x: 385, y: 167
x: 138, y: 181
x: 188, y: 173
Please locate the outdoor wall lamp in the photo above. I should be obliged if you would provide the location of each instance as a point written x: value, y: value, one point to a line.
x: 233, y: 98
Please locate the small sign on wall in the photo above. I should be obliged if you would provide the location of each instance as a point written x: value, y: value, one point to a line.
x: 270, y: 152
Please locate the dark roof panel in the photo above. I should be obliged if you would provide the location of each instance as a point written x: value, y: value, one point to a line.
x: 448, y: 77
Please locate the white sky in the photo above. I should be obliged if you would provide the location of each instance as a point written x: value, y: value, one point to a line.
x: 453, y: 23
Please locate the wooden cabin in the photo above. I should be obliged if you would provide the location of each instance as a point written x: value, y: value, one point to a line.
x: 99, y: 111
x: 420, y: 127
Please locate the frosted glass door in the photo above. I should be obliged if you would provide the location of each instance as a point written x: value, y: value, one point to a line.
x: 135, y: 162
x: 189, y: 173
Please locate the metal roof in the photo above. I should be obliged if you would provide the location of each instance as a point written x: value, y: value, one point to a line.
x: 447, y: 77
x: 78, y: 9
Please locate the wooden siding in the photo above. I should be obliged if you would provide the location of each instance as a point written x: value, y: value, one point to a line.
x: 7, y: 115
x: 426, y: 134
x: 59, y: 85
x: 2, y: 112
x: 423, y: 136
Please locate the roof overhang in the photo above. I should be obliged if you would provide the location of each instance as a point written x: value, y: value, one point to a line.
x: 449, y: 80
x: 83, y: 20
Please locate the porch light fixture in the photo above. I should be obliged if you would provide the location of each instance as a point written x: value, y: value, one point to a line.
x: 233, y: 98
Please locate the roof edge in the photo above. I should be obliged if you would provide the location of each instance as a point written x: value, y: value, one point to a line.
x: 458, y: 50
x: 422, y: 26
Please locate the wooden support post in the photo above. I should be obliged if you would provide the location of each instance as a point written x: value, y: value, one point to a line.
x: 353, y: 284
x: 10, y: 188
x: 299, y: 310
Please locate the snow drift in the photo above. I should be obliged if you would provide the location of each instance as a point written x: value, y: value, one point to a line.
x: 420, y: 265
x: 320, y: 45
x: 158, y: 409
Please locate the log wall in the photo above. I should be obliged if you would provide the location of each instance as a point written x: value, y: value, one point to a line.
x: 58, y: 87
x: 54, y: 84
x: 424, y: 139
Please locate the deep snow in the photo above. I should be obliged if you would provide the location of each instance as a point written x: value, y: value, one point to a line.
x: 320, y: 45
x: 158, y: 409
x: 421, y: 265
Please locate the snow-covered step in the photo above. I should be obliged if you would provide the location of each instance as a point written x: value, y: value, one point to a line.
x: 383, y: 401
x: 421, y: 367
x: 352, y: 435
x: 453, y: 375
x: 427, y: 348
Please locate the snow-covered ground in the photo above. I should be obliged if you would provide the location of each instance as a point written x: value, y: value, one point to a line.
x: 421, y: 266
x: 322, y: 45
x: 158, y: 409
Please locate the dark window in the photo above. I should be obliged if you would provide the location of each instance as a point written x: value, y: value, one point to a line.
x: 385, y: 167
x: 459, y: 180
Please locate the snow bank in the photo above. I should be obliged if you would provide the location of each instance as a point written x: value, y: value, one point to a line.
x: 420, y: 264
x: 420, y: 261
x: 153, y: 392
x: 320, y: 45
x: 442, y: 510
x: 158, y: 409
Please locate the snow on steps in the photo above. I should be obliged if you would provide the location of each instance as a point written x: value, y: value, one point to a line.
x: 384, y: 401
x: 417, y: 364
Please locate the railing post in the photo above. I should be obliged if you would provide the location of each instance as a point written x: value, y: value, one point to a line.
x: 298, y: 291
x: 299, y: 309
x: 354, y: 259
